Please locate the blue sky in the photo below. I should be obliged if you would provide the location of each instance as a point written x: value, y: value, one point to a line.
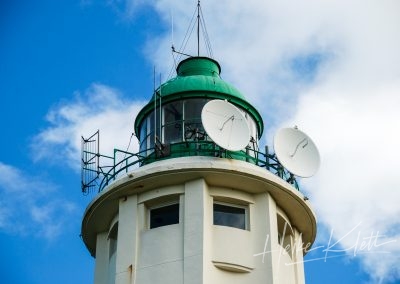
x: 68, y: 68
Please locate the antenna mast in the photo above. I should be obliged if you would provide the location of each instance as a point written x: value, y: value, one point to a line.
x: 198, y: 28
x: 197, y: 19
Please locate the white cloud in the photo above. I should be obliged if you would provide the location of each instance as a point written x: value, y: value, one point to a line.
x: 355, y: 122
x: 347, y: 101
x: 100, y: 107
x: 125, y: 9
x: 358, y: 181
x: 29, y: 206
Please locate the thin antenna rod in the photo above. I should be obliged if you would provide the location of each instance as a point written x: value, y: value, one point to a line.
x: 155, y: 105
x: 161, y: 136
x: 172, y: 29
x: 198, y: 28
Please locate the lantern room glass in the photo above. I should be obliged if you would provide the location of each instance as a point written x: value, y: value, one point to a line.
x: 180, y: 121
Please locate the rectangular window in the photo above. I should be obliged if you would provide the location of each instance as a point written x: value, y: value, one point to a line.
x: 230, y: 216
x: 165, y: 215
x: 173, y: 122
x: 193, y: 126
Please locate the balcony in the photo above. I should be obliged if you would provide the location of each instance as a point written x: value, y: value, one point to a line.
x: 98, y: 171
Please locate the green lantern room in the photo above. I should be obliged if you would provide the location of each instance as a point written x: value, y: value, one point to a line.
x: 170, y: 125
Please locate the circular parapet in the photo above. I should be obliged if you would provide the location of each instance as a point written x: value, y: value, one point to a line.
x: 216, y: 172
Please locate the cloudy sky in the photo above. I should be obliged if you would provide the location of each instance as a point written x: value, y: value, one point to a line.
x: 68, y: 68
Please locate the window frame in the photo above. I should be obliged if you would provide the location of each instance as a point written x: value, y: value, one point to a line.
x: 161, y: 205
x: 235, y: 205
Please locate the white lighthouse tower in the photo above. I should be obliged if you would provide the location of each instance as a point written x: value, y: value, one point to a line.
x: 191, y: 207
x: 200, y: 202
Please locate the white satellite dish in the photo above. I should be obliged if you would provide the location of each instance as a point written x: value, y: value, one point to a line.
x: 296, y: 152
x: 226, y: 125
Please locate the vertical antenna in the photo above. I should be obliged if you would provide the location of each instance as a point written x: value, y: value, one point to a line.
x: 198, y: 28
x: 161, y: 138
x: 172, y: 28
x: 155, y: 105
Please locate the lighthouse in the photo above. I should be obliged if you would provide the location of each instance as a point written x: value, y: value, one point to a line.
x: 200, y: 202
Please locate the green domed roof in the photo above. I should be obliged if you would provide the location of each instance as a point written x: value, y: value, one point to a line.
x: 199, y: 77
x: 197, y: 74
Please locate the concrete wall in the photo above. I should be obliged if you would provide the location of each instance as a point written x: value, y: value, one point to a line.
x: 195, y: 251
x: 115, y: 227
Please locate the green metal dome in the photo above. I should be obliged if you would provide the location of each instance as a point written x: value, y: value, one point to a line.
x: 199, y: 77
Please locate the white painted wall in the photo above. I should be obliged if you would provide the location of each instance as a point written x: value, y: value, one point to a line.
x: 195, y: 251
x: 101, y: 270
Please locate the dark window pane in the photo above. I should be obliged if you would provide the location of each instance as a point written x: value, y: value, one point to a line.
x: 173, y: 122
x: 193, y: 126
x: 158, y: 125
x: 164, y: 216
x: 193, y: 108
x: 229, y: 216
x: 143, y: 135
x: 173, y: 133
x: 151, y: 131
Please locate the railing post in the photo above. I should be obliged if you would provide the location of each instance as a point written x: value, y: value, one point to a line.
x: 115, y: 151
x: 267, y: 158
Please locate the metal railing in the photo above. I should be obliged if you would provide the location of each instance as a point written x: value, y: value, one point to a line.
x: 118, y: 166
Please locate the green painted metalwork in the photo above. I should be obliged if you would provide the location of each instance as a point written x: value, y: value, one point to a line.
x: 116, y: 167
x: 199, y: 77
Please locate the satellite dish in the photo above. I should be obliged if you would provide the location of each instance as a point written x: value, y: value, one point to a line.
x: 296, y: 152
x: 226, y: 125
